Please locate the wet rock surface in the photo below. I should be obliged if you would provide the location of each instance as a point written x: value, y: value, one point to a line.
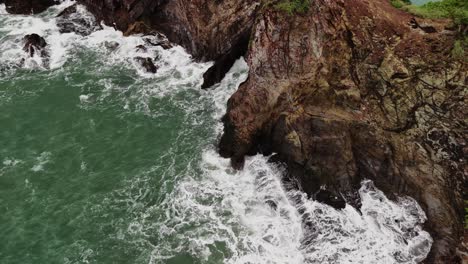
x: 70, y: 20
x: 147, y: 64
x: 34, y: 44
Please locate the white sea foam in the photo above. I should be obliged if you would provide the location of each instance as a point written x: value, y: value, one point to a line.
x: 111, y: 47
x: 3, y: 9
x: 41, y: 161
x: 11, y: 162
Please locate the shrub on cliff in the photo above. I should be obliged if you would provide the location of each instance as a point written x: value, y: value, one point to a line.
x: 293, y: 6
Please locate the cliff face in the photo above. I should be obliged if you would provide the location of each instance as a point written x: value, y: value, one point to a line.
x: 352, y: 90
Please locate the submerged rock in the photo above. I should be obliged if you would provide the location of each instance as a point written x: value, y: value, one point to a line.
x: 111, y: 45
x: 158, y: 40
x: 330, y: 198
x: 70, y: 20
x: 34, y: 44
x: 147, y: 64
x: 28, y: 6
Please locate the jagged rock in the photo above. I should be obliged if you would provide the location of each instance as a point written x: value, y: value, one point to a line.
x: 223, y: 64
x: 141, y: 48
x: 147, y: 64
x: 70, y: 20
x: 158, y: 40
x: 28, y: 6
x: 34, y: 44
x: 273, y: 205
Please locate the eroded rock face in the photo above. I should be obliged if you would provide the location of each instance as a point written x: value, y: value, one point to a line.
x: 352, y: 90
x: 27, y: 7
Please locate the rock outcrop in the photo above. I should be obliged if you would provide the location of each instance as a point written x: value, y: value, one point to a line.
x: 350, y: 90
x: 147, y: 64
x: 70, y: 20
x: 34, y: 44
x: 27, y: 7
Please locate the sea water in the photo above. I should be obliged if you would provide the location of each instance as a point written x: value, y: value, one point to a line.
x: 101, y: 162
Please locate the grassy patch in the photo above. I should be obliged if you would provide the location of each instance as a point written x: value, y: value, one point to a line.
x: 466, y: 214
x: 458, y: 50
x: 454, y: 9
x: 294, y: 6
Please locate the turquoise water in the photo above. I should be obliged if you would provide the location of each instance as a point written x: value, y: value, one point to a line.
x: 101, y: 162
x: 422, y: 2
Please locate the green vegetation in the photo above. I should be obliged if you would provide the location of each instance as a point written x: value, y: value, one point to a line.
x: 466, y: 214
x: 400, y: 3
x: 454, y: 9
x: 293, y: 6
x: 458, y: 50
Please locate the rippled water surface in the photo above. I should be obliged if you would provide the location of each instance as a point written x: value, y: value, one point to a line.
x: 101, y: 162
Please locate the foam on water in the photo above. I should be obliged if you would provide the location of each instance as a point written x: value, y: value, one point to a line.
x: 110, y: 46
x: 251, y: 218
x: 41, y: 161
x: 216, y: 214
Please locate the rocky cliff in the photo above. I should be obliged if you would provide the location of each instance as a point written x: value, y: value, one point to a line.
x: 341, y: 91
x: 352, y: 90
